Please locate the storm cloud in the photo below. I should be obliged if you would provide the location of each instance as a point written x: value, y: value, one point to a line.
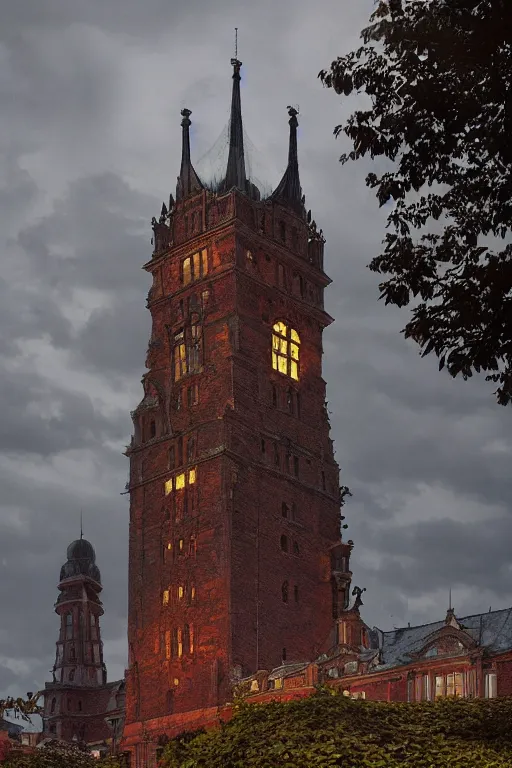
x: 89, y: 147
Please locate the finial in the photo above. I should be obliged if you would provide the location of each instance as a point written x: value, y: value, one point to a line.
x: 289, y: 192
x: 188, y: 180
x: 236, y: 42
x: 450, y: 600
x: 81, y: 526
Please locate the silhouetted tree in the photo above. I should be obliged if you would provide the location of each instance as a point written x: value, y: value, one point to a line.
x: 439, y: 77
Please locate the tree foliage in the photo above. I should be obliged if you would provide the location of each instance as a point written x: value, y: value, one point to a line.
x: 20, y: 707
x: 327, y: 731
x: 439, y: 77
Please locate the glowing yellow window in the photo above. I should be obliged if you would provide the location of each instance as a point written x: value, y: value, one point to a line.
x: 168, y: 487
x: 192, y: 476
x: 165, y: 597
x: 168, y: 644
x: 193, y: 593
x: 180, y: 481
x: 191, y: 639
x: 187, y: 271
x: 169, y: 545
x: 180, y: 361
x: 180, y: 593
x: 285, y: 350
x: 204, y: 261
x: 180, y: 545
x: 176, y: 682
x: 180, y: 643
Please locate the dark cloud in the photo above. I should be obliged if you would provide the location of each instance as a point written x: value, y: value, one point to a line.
x: 89, y: 146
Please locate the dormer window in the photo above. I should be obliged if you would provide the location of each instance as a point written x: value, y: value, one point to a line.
x: 431, y: 653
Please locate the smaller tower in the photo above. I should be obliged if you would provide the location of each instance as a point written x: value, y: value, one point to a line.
x: 76, y: 701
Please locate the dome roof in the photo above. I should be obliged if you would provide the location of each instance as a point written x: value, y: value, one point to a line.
x: 81, y: 561
x: 81, y: 549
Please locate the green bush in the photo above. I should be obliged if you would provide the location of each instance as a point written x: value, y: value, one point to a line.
x: 326, y: 731
x: 57, y: 755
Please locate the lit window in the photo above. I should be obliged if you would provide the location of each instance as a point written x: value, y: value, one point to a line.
x: 192, y: 593
x: 165, y: 597
x: 439, y: 686
x: 180, y: 593
x: 490, y: 685
x: 194, y: 267
x: 168, y: 644
x: 169, y: 545
x: 285, y: 350
x: 180, y: 481
x: 180, y: 355
x: 180, y: 643
x: 176, y: 682
x: 180, y: 545
x: 168, y: 487
x: 192, y: 476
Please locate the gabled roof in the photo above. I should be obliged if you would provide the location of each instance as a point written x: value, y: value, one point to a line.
x: 492, y: 631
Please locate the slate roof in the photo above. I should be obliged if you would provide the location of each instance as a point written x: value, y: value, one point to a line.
x: 492, y: 630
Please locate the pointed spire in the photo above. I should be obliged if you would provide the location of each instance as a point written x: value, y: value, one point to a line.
x: 235, y: 172
x: 188, y: 180
x: 81, y: 526
x: 289, y: 191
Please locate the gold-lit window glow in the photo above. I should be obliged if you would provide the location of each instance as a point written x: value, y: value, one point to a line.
x: 285, y: 350
x: 194, y: 267
x: 168, y: 644
x: 176, y: 682
x: 193, y: 593
x: 169, y: 545
x: 165, y: 597
x: 180, y: 643
x: 179, y: 482
x: 181, y: 592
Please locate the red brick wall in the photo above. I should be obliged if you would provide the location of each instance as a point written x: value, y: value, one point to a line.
x: 238, y: 615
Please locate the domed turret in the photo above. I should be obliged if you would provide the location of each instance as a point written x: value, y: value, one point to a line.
x: 81, y: 561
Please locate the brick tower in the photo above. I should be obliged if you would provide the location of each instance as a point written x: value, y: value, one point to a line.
x: 235, y: 562
x: 79, y: 699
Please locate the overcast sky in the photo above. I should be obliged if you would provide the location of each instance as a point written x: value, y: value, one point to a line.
x: 90, y: 96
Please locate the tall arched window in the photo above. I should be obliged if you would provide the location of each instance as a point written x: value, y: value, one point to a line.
x: 285, y: 350
x: 54, y: 704
x: 284, y: 591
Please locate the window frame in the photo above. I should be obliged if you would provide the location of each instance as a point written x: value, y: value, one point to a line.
x: 194, y: 267
x: 286, y: 343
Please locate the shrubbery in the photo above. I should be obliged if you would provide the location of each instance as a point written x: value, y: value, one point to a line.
x: 327, y: 731
x: 57, y: 755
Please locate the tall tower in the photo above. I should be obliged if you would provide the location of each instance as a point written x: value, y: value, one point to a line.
x: 77, y: 700
x: 236, y: 562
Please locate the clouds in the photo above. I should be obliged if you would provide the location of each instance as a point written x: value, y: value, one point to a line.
x: 89, y: 146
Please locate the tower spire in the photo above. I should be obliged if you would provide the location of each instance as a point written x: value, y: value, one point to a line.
x: 81, y: 526
x: 289, y: 191
x: 235, y: 172
x: 188, y: 180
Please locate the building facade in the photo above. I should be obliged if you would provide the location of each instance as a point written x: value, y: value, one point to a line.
x: 236, y: 562
x: 79, y: 704
x: 469, y: 657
